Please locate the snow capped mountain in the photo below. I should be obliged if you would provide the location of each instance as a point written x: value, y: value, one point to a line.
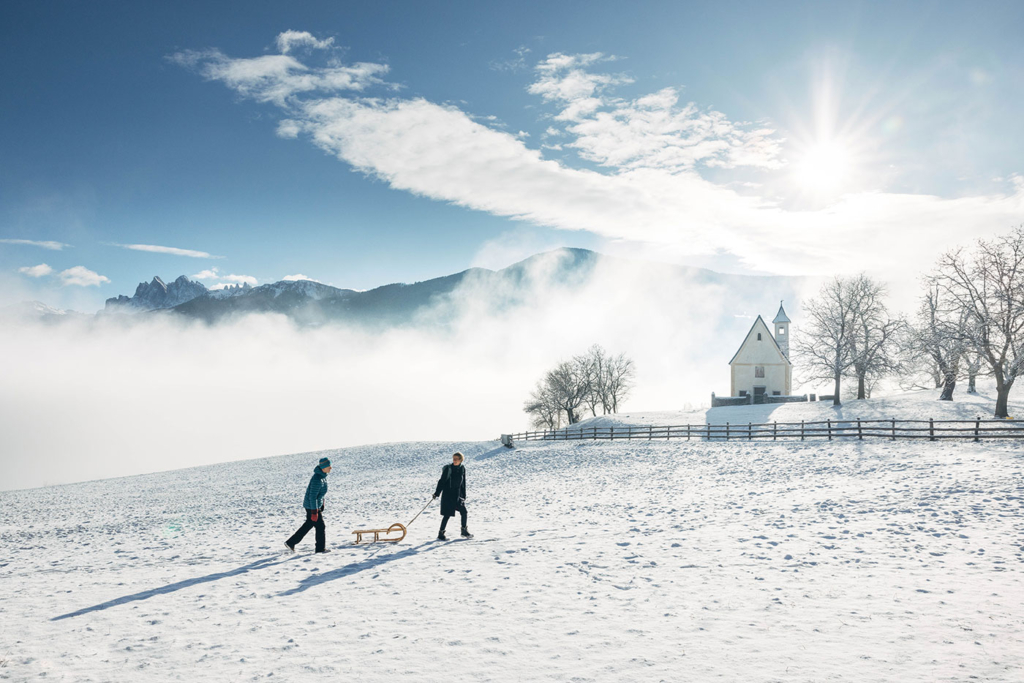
x: 34, y: 310
x: 157, y: 295
x: 527, y: 283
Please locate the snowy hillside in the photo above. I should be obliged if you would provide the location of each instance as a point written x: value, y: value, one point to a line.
x: 638, y: 561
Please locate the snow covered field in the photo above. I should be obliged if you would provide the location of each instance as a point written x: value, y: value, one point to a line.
x: 872, y: 561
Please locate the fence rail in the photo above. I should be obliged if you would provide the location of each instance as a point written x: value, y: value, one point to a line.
x: 933, y: 430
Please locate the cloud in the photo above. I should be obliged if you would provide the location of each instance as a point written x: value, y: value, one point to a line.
x: 518, y: 63
x: 290, y: 39
x: 652, y: 131
x: 173, y: 251
x: 36, y: 271
x: 224, y: 280
x: 209, y: 274
x: 45, y: 244
x: 80, y: 276
x: 647, y: 187
x: 277, y: 78
x: 292, y: 278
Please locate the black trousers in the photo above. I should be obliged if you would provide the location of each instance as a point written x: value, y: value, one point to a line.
x: 461, y: 509
x: 321, y: 530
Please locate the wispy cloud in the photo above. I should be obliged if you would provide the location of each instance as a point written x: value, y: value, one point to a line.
x: 277, y: 78
x: 517, y: 63
x: 80, y: 276
x: 45, y: 244
x: 36, y: 271
x: 293, y: 278
x: 652, y: 131
x: 174, y: 251
x: 291, y: 39
x: 648, y: 186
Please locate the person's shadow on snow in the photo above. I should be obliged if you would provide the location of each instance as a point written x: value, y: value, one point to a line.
x: 308, y: 582
x: 356, y: 567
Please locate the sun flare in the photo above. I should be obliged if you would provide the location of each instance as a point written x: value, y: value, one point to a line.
x: 824, y: 167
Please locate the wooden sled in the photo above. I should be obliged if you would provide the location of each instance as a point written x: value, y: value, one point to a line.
x: 393, y: 529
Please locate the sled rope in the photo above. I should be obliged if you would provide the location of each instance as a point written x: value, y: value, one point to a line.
x: 431, y: 500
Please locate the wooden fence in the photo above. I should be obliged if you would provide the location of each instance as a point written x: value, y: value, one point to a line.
x: 974, y: 430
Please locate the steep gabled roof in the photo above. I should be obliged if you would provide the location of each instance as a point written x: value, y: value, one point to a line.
x: 770, y: 336
x: 781, y: 316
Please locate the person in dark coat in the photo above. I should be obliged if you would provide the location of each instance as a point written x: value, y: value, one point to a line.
x: 452, y: 489
x: 313, y: 502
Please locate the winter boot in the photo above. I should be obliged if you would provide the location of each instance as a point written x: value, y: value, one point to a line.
x: 441, y: 536
x: 291, y: 548
x: 325, y: 550
x: 465, y: 533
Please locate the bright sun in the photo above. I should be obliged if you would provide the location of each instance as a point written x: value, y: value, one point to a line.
x: 824, y: 167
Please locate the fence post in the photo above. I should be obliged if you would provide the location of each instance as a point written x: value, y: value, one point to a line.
x: 860, y: 434
x: 707, y: 426
x: 829, y: 429
x: 750, y: 431
x: 650, y: 430
x: 595, y: 433
x: 726, y: 431
x: 931, y: 429
x: 775, y: 430
x: 894, y: 429
x: 977, y: 425
x: 611, y: 435
x: 801, y: 430
x: 687, y: 431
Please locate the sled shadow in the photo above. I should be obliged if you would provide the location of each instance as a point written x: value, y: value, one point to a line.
x: 356, y: 567
x: 170, y: 588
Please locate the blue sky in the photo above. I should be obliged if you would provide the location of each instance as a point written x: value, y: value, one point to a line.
x: 416, y: 139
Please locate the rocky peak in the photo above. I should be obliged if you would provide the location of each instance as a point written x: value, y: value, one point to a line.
x: 157, y: 294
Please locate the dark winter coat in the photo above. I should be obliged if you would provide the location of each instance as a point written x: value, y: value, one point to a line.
x: 451, y: 487
x: 315, y: 492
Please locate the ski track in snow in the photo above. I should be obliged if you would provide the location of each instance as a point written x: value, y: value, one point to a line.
x: 632, y: 561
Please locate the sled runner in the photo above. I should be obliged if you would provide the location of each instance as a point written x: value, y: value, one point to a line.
x: 393, y: 529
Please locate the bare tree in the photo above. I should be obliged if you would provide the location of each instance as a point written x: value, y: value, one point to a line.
x: 939, y: 337
x: 618, y: 381
x: 598, y: 367
x: 825, y: 346
x: 975, y: 367
x: 873, y: 339
x: 542, y: 407
x: 987, y: 283
x: 586, y: 381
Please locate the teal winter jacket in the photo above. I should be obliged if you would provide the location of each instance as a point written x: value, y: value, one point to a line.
x: 315, y: 492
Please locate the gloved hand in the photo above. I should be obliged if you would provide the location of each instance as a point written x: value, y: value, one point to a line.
x: 313, y: 517
x: 435, y: 497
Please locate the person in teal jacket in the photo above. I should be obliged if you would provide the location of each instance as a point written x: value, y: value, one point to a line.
x: 313, y: 502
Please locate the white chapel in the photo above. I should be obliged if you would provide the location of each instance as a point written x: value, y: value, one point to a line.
x: 761, y: 365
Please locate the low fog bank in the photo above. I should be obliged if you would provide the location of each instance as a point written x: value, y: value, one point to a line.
x: 99, y: 398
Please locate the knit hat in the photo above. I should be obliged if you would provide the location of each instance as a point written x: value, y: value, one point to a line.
x: 325, y: 462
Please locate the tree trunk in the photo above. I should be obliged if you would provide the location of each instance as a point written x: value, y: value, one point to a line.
x: 1002, y: 395
x: 971, y: 389
x: 860, y: 386
x: 947, y: 388
x: 835, y: 398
